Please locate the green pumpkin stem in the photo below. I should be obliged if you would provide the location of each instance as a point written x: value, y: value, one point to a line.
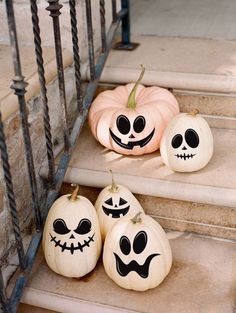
x: 137, y: 219
x: 74, y: 195
x: 131, y: 100
x: 114, y: 187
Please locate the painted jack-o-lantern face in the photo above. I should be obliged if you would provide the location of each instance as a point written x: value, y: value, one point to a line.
x: 71, y: 238
x: 138, y: 246
x: 115, y: 207
x: 131, y: 119
x: 137, y: 253
x: 187, y: 143
x: 114, y: 202
x: 133, y: 132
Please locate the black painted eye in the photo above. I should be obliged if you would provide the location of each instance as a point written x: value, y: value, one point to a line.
x: 59, y: 226
x: 83, y: 227
x: 139, y: 124
x: 192, y: 138
x: 122, y: 201
x: 109, y: 201
x: 123, y: 124
x: 125, y: 246
x: 177, y: 141
x: 140, y: 242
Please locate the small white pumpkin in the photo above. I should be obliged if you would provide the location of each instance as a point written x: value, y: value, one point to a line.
x: 71, y: 237
x: 137, y: 253
x: 187, y: 143
x: 114, y: 202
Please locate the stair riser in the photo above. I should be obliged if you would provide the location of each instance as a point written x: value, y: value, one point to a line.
x: 221, y: 105
x: 177, y: 215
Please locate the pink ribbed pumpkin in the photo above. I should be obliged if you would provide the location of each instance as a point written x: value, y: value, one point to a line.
x: 131, y: 119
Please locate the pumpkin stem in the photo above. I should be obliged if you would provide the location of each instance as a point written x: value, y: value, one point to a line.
x: 114, y: 187
x: 137, y: 219
x: 131, y: 100
x: 74, y: 194
x: 194, y: 112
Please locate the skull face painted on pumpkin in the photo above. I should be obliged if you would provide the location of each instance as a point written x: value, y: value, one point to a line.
x: 71, y: 237
x: 131, y: 119
x: 137, y: 253
x: 187, y: 143
x: 114, y: 202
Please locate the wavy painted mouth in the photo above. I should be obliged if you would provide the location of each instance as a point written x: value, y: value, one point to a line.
x: 185, y: 156
x: 142, y: 270
x: 72, y: 248
x: 116, y: 213
x: 132, y: 144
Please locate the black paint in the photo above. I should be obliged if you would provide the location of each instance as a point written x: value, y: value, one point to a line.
x: 83, y: 227
x: 192, y: 138
x: 131, y: 144
x: 177, y: 141
x: 109, y: 201
x: 115, y: 213
x: 122, y: 201
x: 71, y: 247
x: 140, y: 242
x: 142, y: 270
x: 139, y: 245
x: 125, y: 245
x: 59, y: 226
x: 123, y: 124
x: 139, y: 124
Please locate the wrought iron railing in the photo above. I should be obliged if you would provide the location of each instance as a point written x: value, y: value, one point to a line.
x: 55, y: 175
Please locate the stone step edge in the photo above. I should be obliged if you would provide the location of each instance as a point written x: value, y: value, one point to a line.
x: 176, y: 80
x: 62, y: 303
x: 153, y: 187
x: 205, y: 229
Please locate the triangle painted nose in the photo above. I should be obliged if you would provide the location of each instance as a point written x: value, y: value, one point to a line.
x: 72, y: 237
x: 131, y: 136
x: 184, y: 148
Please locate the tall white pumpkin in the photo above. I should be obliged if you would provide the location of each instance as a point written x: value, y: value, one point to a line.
x: 137, y: 253
x: 115, y: 202
x: 71, y: 237
x: 187, y: 143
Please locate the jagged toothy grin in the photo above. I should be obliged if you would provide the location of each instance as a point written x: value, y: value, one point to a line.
x: 72, y: 248
x: 185, y: 156
x: 115, y: 213
x: 131, y: 144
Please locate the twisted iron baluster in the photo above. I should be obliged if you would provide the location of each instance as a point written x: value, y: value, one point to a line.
x: 41, y: 73
x: 11, y: 196
x: 76, y: 52
x: 54, y: 8
x: 114, y: 14
x: 103, y: 25
x: 19, y: 86
x: 90, y: 39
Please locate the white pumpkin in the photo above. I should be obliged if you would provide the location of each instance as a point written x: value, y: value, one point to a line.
x: 187, y: 143
x: 114, y: 202
x: 137, y: 253
x: 71, y: 237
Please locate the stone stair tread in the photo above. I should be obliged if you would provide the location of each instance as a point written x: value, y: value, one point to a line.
x: 180, y: 63
x: 202, y: 279
x: 215, y: 184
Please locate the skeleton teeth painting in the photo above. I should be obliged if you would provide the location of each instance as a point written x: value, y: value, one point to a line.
x: 71, y: 237
x: 187, y: 143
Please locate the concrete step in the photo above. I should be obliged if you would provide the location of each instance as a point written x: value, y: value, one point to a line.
x: 202, y: 202
x: 202, y: 279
